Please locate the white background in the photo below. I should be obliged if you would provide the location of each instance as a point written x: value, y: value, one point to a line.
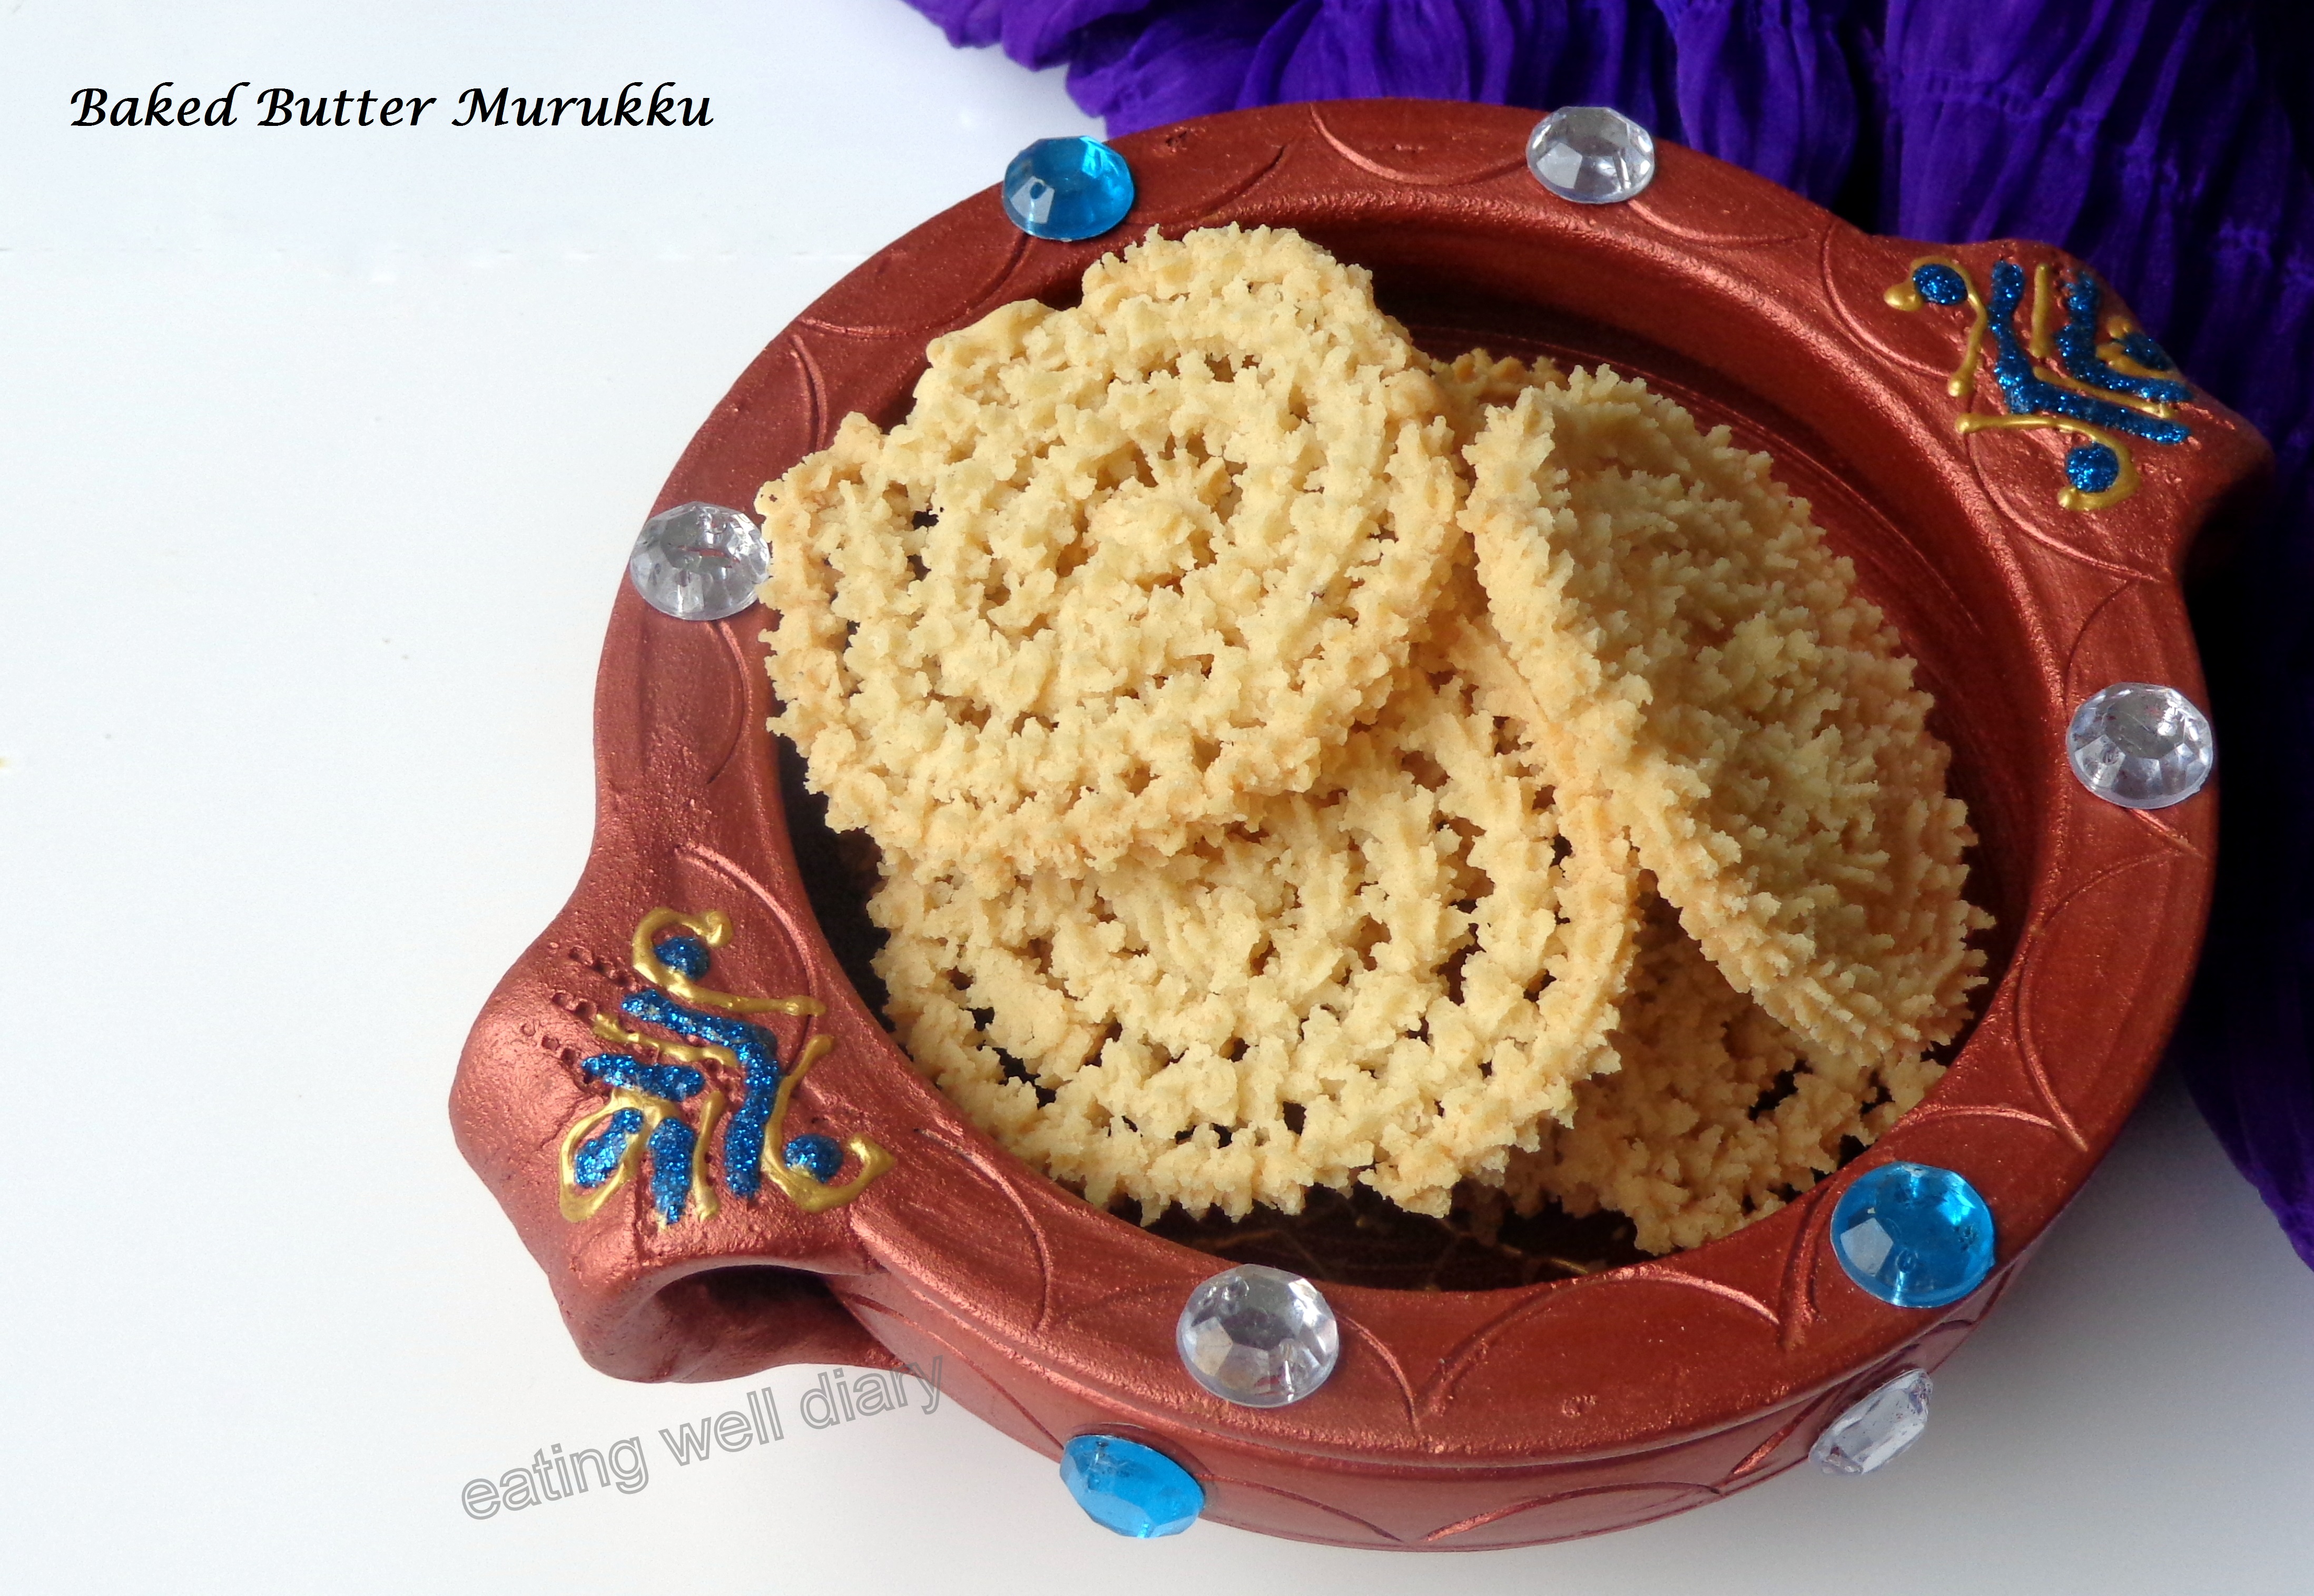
x: 319, y: 454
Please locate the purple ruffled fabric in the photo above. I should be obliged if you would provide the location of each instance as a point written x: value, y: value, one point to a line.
x: 2169, y: 141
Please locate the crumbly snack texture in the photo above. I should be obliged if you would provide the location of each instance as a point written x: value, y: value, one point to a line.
x: 1694, y: 647
x: 1397, y: 978
x: 1475, y: 384
x: 1718, y: 1114
x: 1299, y: 762
x: 1126, y: 568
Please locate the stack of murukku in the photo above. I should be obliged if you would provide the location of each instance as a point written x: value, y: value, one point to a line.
x: 1296, y: 763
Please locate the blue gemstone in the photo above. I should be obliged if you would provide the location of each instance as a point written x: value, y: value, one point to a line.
x: 1068, y: 188
x: 1131, y: 1488
x: 686, y: 956
x: 1940, y: 285
x: 1914, y: 1235
x: 819, y: 1156
x: 2093, y: 468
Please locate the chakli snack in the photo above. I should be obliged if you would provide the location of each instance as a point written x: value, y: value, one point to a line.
x: 1125, y: 569
x: 1694, y: 647
x: 1718, y: 1114
x: 1475, y: 383
x: 1245, y: 826
x: 1395, y: 977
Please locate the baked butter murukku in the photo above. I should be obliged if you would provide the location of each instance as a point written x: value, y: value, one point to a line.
x: 1695, y: 648
x: 1126, y: 568
x: 1717, y: 1116
x: 1395, y: 977
x: 1475, y: 384
x: 1297, y: 762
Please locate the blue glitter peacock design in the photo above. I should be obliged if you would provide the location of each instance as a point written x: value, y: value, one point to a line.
x: 2106, y: 391
x: 664, y: 1114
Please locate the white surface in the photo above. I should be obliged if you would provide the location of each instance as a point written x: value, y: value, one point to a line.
x: 319, y: 454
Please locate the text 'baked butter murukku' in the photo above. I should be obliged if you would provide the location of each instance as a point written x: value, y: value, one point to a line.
x: 1395, y: 977
x: 1697, y: 650
x: 1126, y: 568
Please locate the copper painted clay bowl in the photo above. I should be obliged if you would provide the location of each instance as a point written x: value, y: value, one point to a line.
x: 1456, y: 1419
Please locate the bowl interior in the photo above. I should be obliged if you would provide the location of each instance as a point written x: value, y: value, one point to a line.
x: 1920, y: 562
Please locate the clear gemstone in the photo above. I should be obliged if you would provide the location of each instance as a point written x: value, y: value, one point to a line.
x: 1258, y: 1337
x: 1872, y: 1432
x: 1133, y: 1489
x: 2141, y: 746
x: 1068, y: 188
x: 1914, y: 1235
x: 699, y: 562
x: 1591, y: 154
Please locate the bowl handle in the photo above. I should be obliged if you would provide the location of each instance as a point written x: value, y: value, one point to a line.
x: 2008, y: 342
x: 643, y: 1090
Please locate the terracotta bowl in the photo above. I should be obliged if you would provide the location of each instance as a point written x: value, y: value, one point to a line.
x: 1456, y: 1419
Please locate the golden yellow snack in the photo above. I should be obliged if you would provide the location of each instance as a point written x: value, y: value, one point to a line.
x: 1396, y: 977
x: 1717, y: 1117
x: 1266, y: 800
x: 1126, y: 568
x: 1475, y: 383
x: 1696, y: 649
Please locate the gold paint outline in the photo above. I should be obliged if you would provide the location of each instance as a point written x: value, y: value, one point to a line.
x: 714, y: 928
x: 607, y: 1029
x: 2128, y: 401
x: 2040, y: 343
x: 583, y: 1202
x: 2119, y: 326
x: 2073, y: 499
x: 1905, y: 296
x: 2044, y: 350
x: 801, y: 1188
